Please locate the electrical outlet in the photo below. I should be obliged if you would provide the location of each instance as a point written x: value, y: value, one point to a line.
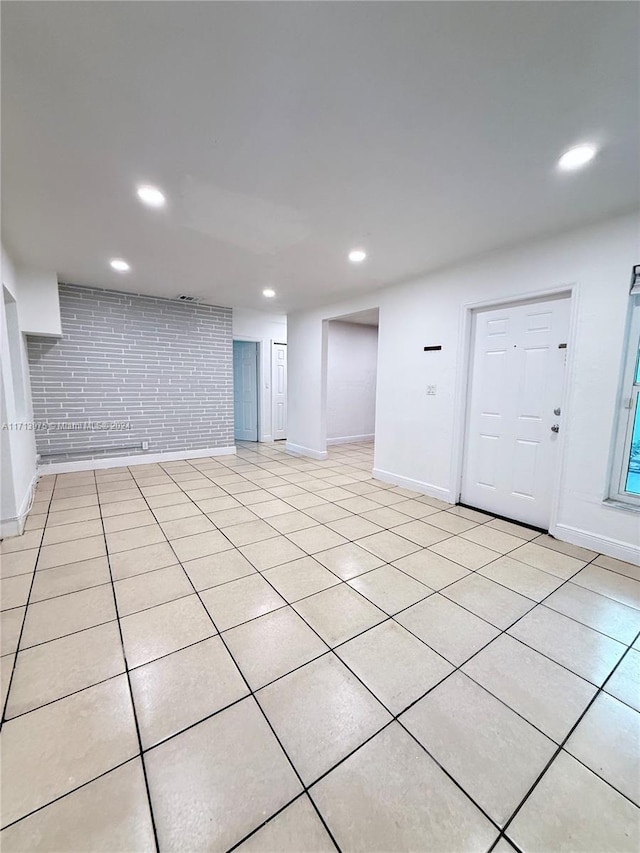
x: 432, y: 390
x: 145, y: 445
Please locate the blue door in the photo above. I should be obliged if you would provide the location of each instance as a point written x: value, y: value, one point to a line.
x: 245, y: 390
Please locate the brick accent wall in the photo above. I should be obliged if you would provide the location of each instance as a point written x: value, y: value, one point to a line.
x: 164, y: 368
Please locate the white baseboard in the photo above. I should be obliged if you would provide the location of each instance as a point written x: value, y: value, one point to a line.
x: 350, y: 439
x: 602, y: 544
x: 10, y: 527
x: 15, y: 526
x: 299, y: 450
x: 126, y: 461
x: 415, y: 485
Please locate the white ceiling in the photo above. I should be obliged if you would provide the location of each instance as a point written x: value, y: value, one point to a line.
x: 285, y: 134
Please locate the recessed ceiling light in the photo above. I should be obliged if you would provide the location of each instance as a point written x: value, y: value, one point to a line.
x: 576, y: 157
x: 356, y: 256
x: 269, y: 292
x: 151, y: 196
x: 119, y: 265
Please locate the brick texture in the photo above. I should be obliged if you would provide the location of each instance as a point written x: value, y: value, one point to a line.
x: 164, y: 368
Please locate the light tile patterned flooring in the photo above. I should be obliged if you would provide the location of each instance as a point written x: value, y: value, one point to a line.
x: 279, y: 654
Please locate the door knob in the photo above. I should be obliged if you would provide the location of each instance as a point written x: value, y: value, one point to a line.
x: 555, y: 428
x: 557, y: 411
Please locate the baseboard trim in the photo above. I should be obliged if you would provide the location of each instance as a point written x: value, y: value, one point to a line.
x: 11, y: 527
x: 415, y: 485
x: 138, y: 459
x: 602, y: 544
x: 299, y: 450
x: 350, y: 439
x: 15, y: 526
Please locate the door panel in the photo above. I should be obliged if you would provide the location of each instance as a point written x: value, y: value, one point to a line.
x: 531, y: 394
x: 525, y: 465
x: 493, y: 379
x: 487, y: 461
x: 279, y: 390
x: 245, y: 390
x: 516, y: 379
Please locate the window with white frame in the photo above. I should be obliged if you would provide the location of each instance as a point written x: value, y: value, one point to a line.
x: 625, y: 485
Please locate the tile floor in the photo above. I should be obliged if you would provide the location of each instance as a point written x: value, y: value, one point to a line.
x: 270, y: 653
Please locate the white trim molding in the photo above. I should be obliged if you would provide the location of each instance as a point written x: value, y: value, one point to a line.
x: 601, y: 544
x: 138, y: 459
x: 15, y: 526
x: 11, y: 527
x: 415, y: 485
x: 350, y: 439
x: 299, y: 450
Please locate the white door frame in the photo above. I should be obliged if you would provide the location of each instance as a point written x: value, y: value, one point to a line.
x: 258, y: 343
x: 461, y: 400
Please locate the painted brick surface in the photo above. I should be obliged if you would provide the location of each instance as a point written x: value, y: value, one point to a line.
x: 163, y: 368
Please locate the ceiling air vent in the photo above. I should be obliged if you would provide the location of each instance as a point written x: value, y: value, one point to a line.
x: 184, y: 298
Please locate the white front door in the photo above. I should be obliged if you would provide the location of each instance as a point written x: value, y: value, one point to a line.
x: 279, y: 390
x: 515, y: 390
x: 245, y: 390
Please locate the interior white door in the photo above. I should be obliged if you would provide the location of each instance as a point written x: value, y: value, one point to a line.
x: 279, y: 390
x: 514, y: 409
x: 245, y: 390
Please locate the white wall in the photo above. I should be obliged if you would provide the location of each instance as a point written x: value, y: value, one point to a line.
x: 264, y: 328
x: 17, y: 446
x: 352, y: 354
x: 418, y: 438
x: 39, y: 305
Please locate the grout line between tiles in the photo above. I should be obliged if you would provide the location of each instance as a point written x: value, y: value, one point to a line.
x: 394, y: 717
x: 131, y: 697
x: 341, y: 580
x: 482, y: 648
x: 24, y: 621
x: 560, y: 748
x: 253, y: 696
x: 337, y: 646
x: 69, y: 793
x: 301, y: 795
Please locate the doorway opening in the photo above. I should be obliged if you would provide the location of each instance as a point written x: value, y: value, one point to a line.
x: 514, y: 408
x: 245, y: 390
x: 351, y: 377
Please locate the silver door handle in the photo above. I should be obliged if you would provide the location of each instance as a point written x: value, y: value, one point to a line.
x: 555, y: 428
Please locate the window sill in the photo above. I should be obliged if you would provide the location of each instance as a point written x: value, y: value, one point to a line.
x: 617, y: 503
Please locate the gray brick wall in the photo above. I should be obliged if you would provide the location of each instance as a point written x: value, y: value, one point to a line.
x: 164, y: 368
